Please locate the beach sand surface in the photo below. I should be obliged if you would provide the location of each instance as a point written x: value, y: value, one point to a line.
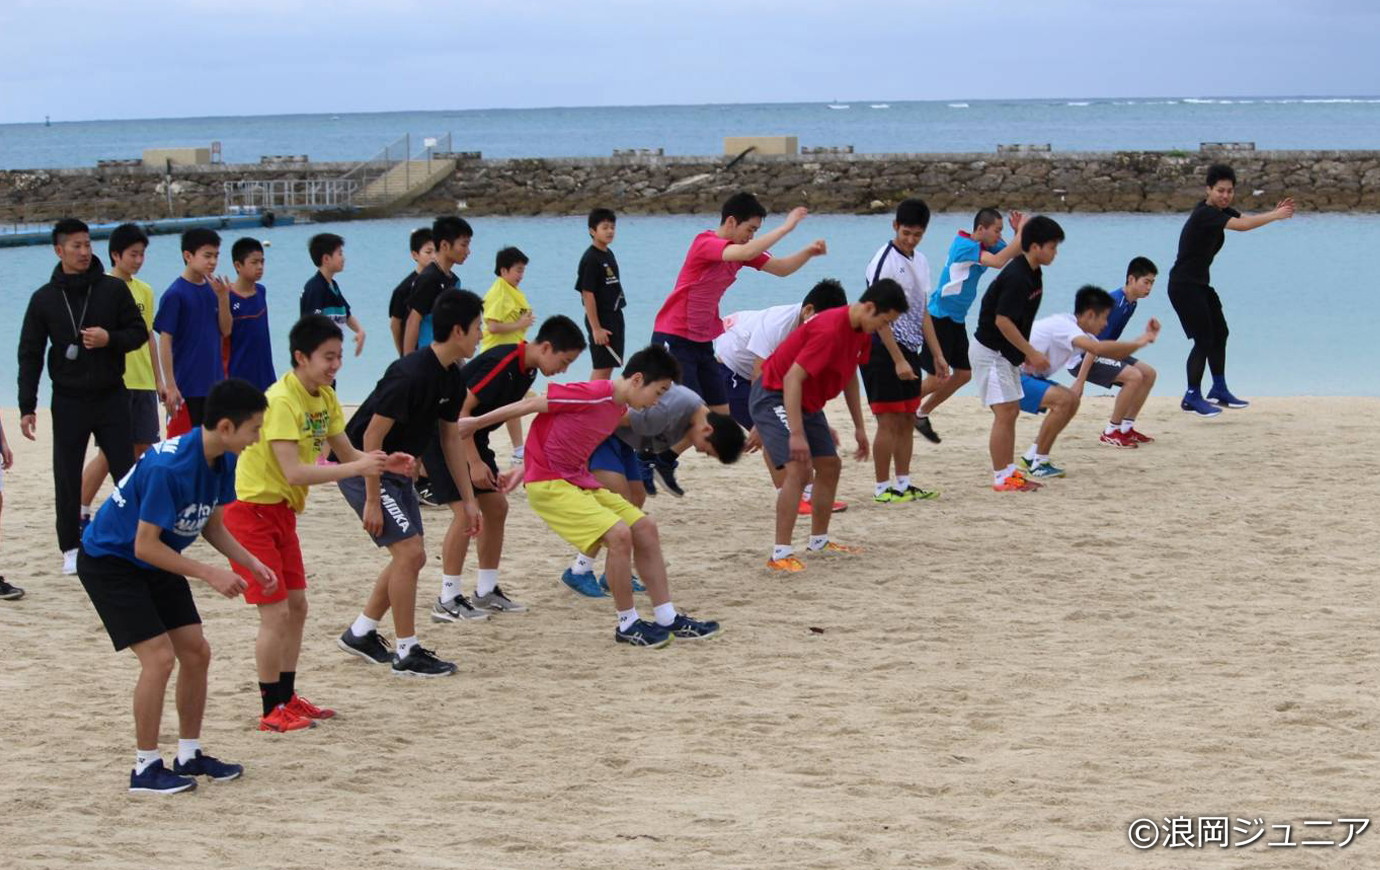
x: 999, y: 680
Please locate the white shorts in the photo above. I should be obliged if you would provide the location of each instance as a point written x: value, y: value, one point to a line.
x: 997, y: 380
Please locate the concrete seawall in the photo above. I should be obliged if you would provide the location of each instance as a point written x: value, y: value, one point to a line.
x: 1123, y: 181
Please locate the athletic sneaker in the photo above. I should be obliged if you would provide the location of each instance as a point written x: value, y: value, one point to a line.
x: 922, y: 425
x: 918, y: 494
x: 692, y: 629
x: 1040, y: 469
x: 209, y: 766
x: 805, y: 508
x: 664, y: 466
x: 836, y: 549
x: 282, y: 720
x: 157, y: 779
x: 1139, y: 437
x: 1223, y: 397
x: 648, y: 478
x: 1196, y: 404
x: 371, y: 647
x: 9, y: 592
x: 425, y: 495
x: 788, y: 565
x: 497, y: 602
x: 892, y: 496
x: 1118, y: 439
x: 643, y: 633
x: 637, y: 584
x: 585, y: 584
x: 306, y: 709
x: 69, y: 562
x: 422, y: 663
x: 458, y: 609
x: 1016, y: 482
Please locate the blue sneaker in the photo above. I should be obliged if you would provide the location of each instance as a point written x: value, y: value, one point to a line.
x: 1041, y: 469
x: 648, y: 478
x: 585, y: 584
x: 1196, y: 404
x: 692, y: 629
x: 209, y: 765
x: 1223, y: 397
x: 643, y: 633
x: 157, y: 779
x: 637, y: 584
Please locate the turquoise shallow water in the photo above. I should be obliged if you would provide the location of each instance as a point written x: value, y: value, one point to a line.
x: 1301, y: 311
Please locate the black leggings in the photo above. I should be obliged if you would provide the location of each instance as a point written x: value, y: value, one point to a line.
x: 1200, y: 311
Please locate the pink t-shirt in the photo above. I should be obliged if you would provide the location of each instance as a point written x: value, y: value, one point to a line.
x: 577, y: 419
x: 692, y: 309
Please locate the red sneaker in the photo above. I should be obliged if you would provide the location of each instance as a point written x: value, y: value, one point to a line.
x: 805, y: 509
x: 1139, y: 437
x: 1118, y: 439
x: 283, y: 720
x: 300, y: 706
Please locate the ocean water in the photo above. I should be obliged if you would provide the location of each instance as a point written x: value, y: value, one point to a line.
x: 1301, y: 315
x: 875, y: 126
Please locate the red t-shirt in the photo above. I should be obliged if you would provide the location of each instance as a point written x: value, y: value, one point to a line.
x: 577, y: 419
x: 692, y: 309
x: 828, y: 348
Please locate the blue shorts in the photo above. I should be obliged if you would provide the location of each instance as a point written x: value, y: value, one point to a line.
x: 739, y: 390
x: 1035, y: 389
x: 699, y: 368
x: 616, y: 456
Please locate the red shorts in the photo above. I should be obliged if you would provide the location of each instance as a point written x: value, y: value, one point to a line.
x: 269, y: 531
x: 902, y: 406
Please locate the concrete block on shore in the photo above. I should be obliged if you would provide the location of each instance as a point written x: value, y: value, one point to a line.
x: 735, y: 145
x: 158, y: 157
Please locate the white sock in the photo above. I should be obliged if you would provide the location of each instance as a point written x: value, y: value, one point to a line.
x: 187, y: 750
x: 809, y: 488
x: 999, y: 476
x: 1040, y: 459
x: 1112, y: 427
x: 1031, y: 454
x: 665, y: 614
x: 363, y: 625
x: 518, y: 451
x: 144, y: 757
x: 921, y: 415
x: 781, y: 551
x: 627, y: 618
x: 902, y: 482
x: 405, y: 645
x: 488, y: 579
x: 1127, y: 425
x: 86, y: 510
x: 450, y: 587
x: 817, y: 542
x: 883, y: 487
x: 583, y: 564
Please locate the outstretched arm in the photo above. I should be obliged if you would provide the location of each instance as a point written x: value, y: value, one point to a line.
x: 783, y: 266
x: 1281, y: 212
x: 530, y: 405
x: 755, y: 248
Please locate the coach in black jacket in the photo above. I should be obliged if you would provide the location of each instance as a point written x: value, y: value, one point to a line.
x: 88, y: 321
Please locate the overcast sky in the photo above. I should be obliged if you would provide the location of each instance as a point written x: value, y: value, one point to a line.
x: 155, y: 59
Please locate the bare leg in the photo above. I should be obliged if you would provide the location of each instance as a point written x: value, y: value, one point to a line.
x: 902, y: 442
x: 271, y: 645
x: 297, y: 623
x: 91, y: 477
x: 618, y: 564
x: 156, y: 658
x: 797, y: 474
x: 1148, y: 378
x: 1002, y: 442
x: 1130, y: 381
x: 651, y: 566
x: 409, y: 558
x: 515, y: 432
x: 936, y: 391
x: 601, y: 374
x: 827, y: 469
x: 193, y: 662
x: 456, y: 543
x: 493, y: 507
x: 882, y: 447
x: 1062, y: 405
x: 378, y: 602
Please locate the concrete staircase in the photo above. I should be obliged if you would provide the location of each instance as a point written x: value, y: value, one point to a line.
x: 403, y: 184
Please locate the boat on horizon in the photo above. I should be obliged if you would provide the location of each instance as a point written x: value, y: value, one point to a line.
x: 839, y: 106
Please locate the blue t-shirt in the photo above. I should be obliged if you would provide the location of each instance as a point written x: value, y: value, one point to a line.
x: 320, y: 296
x: 190, y: 313
x: 958, y: 283
x: 251, y: 348
x: 171, y: 487
x: 1121, y: 314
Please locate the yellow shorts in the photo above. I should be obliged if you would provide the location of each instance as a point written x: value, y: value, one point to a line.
x: 580, y: 516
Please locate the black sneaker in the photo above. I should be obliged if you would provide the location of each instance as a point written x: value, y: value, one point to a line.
x: 425, y: 494
x: 648, y: 478
x: 922, y: 425
x: 422, y: 663
x: 371, y: 647
x: 8, y: 592
x: 664, y: 466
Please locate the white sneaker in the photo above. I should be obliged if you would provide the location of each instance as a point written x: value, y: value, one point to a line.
x: 69, y: 562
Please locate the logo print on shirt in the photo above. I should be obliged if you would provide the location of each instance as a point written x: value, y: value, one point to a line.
x: 191, y: 519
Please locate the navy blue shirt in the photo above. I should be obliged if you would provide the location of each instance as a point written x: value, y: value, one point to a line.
x: 251, y: 347
x: 190, y: 313
x: 172, y: 487
x: 320, y: 296
x: 1122, y: 312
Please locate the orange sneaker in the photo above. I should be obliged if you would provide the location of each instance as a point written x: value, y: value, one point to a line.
x: 283, y: 720
x: 806, y: 509
x: 1016, y: 482
x: 306, y: 709
x: 837, y: 548
x: 789, y: 565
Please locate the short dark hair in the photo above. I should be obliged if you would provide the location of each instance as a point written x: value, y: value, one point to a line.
x: 233, y: 399
x: 240, y: 251
x: 448, y: 228
x: 1139, y: 267
x: 507, y: 258
x: 195, y: 240
x: 322, y: 245
x: 66, y: 227
x: 562, y: 333
x: 419, y: 239
x: 309, y: 333
x: 599, y: 215
x: 913, y: 212
x: 1092, y: 298
x: 126, y: 236
x: 985, y: 217
x: 727, y: 437
x: 742, y: 207
x: 454, y: 308
x: 1220, y: 172
x: 1040, y: 230
x: 655, y: 363
x: 828, y: 293
x: 886, y: 295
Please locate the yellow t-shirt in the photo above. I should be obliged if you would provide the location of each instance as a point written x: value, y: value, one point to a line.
x: 293, y: 415
x: 504, y: 303
x: 138, y: 365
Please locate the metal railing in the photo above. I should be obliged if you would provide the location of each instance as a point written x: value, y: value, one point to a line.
x: 290, y: 193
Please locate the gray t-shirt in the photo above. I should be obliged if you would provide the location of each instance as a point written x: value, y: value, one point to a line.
x: 659, y: 427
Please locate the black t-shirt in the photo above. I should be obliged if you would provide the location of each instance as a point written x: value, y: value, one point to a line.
x: 498, y: 377
x: 415, y: 392
x: 397, y: 303
x: 599, y: 275
x: 1199, y: 242
x: 1015, y: 294
x: 431, y: 283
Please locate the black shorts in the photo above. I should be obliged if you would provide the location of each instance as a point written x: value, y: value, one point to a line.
x: 196, y: 409
x: 1200, y: 311
x: 599, y: 355
x: 135, y: 603
x: 769, y: 415
x: 739, y: 391
x: 699, y: 368
x: 1105, y: 370
x: 438, y: 473
x: 953, y: 340
x: 887, y: 393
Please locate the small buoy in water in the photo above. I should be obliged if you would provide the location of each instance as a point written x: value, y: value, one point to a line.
x: 266, y: 243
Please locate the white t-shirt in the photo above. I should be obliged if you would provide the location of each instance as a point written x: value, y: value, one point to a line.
x: 1053, y: 336
x: 913, y: 274
x: 754, y: 334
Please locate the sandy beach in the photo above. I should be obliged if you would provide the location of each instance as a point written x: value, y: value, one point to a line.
x: 999, y: 681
